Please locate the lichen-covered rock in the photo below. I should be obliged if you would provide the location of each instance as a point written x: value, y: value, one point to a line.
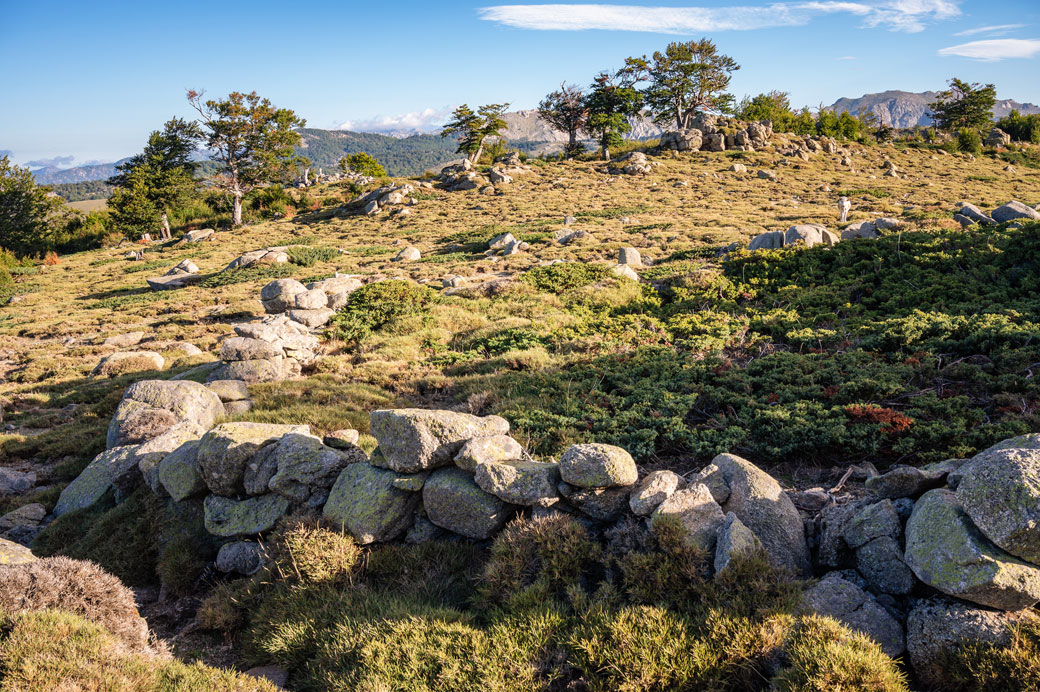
x: 832, y: 550
x: 413, y: 439
x: 312, y: 319
x: 305, y: 465
x: 597, y: 465
x: 365, y: 502
x: 244, y: 348
x: 695, y: 512
x: 279, y: 295
x: 151, y: 453
x: 601, y: 504
x: 229, y: 390
x: 228, y: 518
x: 254, y: 371
x: 759, y: 501
x: 904, y: 481
x: 488, y: 450
x: 240, y: 557
x: 14, y: 554
x: 179, y: 400
x: 179, y: 472
x: 1001, y: 494
x: 224, y: 451
x: 342, y: 439
x: 734, y: 540
x: 874, y: 521
x: 123, y: 362
x: 99, y: 475
x: 1014, y: 210
x: 938, y: 627
x: 519, y: 482
x: 946, y: 551
x: 657, y: 487
x: 881, y: 563
x: 842, y: 600
x: 454, y: 501
x: 260, y: 469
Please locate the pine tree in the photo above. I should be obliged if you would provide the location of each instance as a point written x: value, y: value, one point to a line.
x: 565, y: 110
x: 27, y: 211
x: 686, y: 78
x: 251, y: 141
x: 612, y: 100
x: 471, y: 129
x: 963, y: 105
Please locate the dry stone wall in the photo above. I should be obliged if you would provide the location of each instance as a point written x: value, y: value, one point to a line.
x: 957, y: 538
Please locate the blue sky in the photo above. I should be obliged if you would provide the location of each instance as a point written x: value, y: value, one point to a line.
x: 93, y: 79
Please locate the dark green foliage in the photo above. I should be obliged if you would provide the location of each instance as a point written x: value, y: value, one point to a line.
x: 687, y: 77
x: 88, y: 189
x: 471, y: 129
x: 963, y: 105
x: 565, y: 110
x: 376, y: 305
x: 564, y: 276
x: 774, y: 106
x: 27, y: 212
x: 258, y: 272
x: 612, y: 99
x: 155, y: 181
x: 305, y: 256
x: 363, y: 164
x: 914, y: 348
x: 969, y: 140
x: 1022, y: 128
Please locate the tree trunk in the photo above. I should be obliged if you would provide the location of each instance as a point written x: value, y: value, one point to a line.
x: 306, y: 177
x: 476, y: 156
x: 165, y: 233
x: 573, y: 141
x: 236, y: 209
x: 606, y: 152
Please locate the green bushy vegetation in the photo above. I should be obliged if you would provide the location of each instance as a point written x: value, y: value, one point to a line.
x: 379, y: 304
x: 1022, y: 128
x: 258, y: 272
x: 305, y: 256
x: 914, y: 347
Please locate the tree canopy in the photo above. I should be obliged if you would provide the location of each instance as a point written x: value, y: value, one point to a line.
x: 687, y: 77
x: 963, y: 105
x: 250, y: 140
x: 567, y: 111
x: 471, y: 129
x: 26, y: 210
x: 363, y: 164
x: 151, y: 183
x: 612, y: 100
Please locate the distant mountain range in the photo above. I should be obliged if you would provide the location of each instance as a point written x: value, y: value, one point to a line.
x: 52, y: 175
x: 411, y: 152
x: 905, y: 109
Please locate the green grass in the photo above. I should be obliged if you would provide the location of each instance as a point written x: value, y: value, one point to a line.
x: 265, y: 272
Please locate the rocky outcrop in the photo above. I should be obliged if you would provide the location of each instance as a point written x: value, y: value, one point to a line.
x: 412, y: 440
x: 151, y: 407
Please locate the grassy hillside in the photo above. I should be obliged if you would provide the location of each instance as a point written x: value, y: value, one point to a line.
x: 783, y: 356
x: 914, y: 347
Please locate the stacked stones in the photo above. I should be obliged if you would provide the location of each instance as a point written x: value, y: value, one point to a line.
x: 462, y: 176
x: 633, y: 163
x: 392, y: 197
x: 939, y: 555
x: 704, y: 134
x: 951, y: 550
x: 277, y: 347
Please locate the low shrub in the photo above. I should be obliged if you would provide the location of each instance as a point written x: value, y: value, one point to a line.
x: 969, y: 140
x: 78, y: 587
x: 304, y: 551
x: 565, y: 276
x: 305, y: 256
x: 376, y: 305
x: 982, y: 667
x: 259, y: 272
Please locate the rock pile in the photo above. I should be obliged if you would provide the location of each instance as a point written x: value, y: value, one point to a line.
x: 184, y: 274
x: 464, y: 176
x: 968, y: 214
x: 388, y: 197
x: 704, y: 134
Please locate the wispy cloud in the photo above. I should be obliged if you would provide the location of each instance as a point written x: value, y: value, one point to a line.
x: 996, y: 30
x: 426, y: 119
x: 896, y: 15
x: 995, y: 49
x: 58, y: 161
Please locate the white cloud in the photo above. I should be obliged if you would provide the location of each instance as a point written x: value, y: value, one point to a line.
x: 896, y: 15
x: 996, y: 30
x: 995, y: 49
x: 426, y: 119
